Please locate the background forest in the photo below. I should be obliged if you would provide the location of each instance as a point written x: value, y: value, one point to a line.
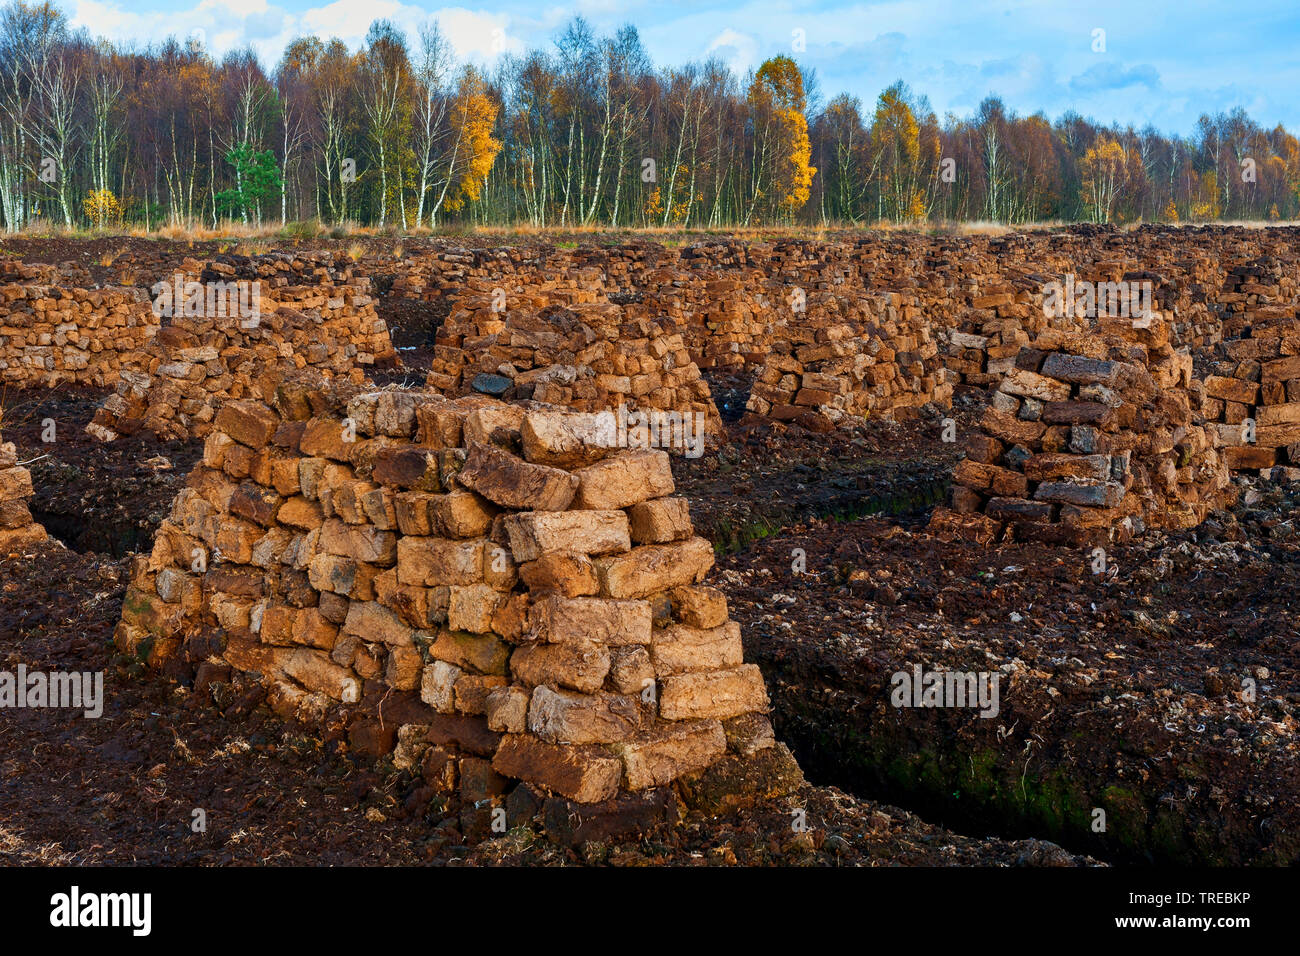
x: 588, y: 132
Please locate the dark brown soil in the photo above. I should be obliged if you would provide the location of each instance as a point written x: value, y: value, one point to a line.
x: 93, y: 496
x: 412, y: 325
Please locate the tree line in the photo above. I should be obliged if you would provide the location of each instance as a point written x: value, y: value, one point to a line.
x: 586, y: 132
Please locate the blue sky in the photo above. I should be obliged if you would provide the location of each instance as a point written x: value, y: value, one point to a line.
x: 1163, y: 62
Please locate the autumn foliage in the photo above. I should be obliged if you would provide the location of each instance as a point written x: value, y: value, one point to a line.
x: 783, y: 181
x: 586, y: 132
x: 474, y: 118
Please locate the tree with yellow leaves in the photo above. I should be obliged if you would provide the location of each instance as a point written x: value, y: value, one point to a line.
x: 896, y: 142
x: 1102, y: 172
x: 102, y: 208
x: 783, y: 173
x: 1205, y: 205
x: 473, y: 148
x: 654, y: 205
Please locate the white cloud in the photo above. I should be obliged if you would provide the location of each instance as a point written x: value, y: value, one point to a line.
x: 240, y: 8
x: 226, y: 25
x: 739, y: 50
x: 478, y: 36
x: 350, y: 19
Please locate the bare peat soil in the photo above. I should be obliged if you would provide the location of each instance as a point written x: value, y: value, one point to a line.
x: 107, y: 498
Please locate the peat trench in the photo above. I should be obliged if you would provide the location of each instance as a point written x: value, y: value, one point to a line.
x: 932, y: 767
x: 955, y: 770
x: 116, y: 538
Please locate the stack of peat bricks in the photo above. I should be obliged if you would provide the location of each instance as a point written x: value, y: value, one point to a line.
x: 1257, y: 291
x: 490, y: 588
x: 593, y: 356
x: 725, y: 322
x: 996, y: 323
x: 52, y: 332
x: 464, y: 273
x: 1093, y: 435
x: 1183, y: 291
x: 1253, y: 396
x: 275, y: 314
x: 18, y: 530
x: 982, y: 296
x: 864, y: 357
